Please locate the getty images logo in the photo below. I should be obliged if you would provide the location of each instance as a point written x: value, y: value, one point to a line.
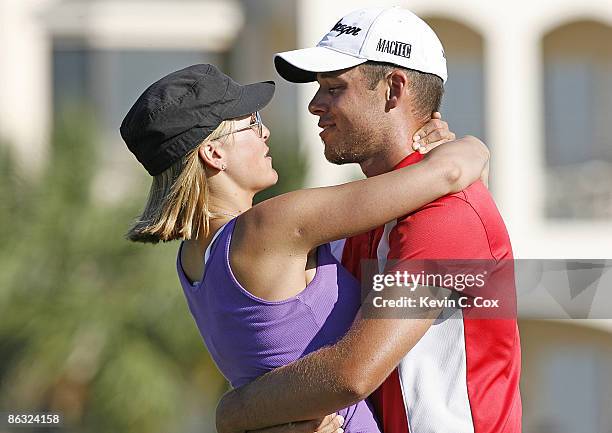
x: 344, y: 29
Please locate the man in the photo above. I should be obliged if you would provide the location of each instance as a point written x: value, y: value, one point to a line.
x: 381, y: 75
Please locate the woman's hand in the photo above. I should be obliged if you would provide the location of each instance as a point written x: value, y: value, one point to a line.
x: 432, y: 134
x: 464, y: 161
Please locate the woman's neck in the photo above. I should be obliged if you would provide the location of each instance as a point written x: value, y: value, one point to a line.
x: 229, y: 202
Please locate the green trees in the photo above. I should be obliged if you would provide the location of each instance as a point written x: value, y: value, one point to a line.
x: 91, y: 325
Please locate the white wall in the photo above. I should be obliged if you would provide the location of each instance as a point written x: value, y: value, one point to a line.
x: 24, y: 81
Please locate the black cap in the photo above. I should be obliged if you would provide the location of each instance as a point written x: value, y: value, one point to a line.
x: 175, y: 114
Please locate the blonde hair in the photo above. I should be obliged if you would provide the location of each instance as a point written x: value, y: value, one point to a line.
x: 177, y: 206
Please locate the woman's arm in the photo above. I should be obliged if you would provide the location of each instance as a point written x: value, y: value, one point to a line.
x: 303, y: 219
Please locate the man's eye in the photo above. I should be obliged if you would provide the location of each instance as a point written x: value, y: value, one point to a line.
x: 334, y: 90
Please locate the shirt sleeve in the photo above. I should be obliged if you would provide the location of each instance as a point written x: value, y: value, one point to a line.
x: 448, y: 228
x: 446, y: 241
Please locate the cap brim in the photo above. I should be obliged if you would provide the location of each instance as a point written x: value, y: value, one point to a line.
x: 301, y: 66
x: 254, y: 97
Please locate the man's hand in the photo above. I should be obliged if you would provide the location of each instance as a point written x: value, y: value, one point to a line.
x: 434, y: 133
x: 330, y: 424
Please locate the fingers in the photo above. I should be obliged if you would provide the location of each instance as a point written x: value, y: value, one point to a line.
x: 432, y: 141
x: 430, y: 126
x: 431, y: 146
x: 433, y: 131
x: 331, y: 424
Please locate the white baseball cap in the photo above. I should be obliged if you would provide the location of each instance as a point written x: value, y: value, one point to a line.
x: 391, y: 35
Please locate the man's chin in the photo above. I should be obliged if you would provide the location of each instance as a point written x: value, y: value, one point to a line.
x: 336, y: 159
x: 336, y: 154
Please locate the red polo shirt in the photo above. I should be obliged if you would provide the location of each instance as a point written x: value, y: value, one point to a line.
x: 463, y: 375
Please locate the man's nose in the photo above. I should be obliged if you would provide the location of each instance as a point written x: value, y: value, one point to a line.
x: 317, y: 105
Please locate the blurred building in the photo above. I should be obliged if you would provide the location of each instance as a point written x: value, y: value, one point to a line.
x: 66, y: 56
x: 533, y: 79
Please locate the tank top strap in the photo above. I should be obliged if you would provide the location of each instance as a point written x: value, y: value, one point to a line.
x: 217, y: 239
x: 213, y: 242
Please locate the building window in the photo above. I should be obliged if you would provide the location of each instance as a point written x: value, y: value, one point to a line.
x: 110, y: 81
x: 577, y: 112
x: 464, y: 93
x: 571, y: 392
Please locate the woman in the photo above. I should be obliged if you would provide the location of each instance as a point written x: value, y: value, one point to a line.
x: 260, y: 281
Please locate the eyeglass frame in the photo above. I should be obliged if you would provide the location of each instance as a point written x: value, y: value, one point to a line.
x: 257, y: 123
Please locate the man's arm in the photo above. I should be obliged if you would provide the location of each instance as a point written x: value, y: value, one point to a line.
x: 329, y: 379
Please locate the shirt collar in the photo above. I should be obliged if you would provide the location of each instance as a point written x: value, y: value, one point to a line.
x: 413, y: 158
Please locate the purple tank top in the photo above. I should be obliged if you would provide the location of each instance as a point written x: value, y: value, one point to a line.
x: 248, y: 336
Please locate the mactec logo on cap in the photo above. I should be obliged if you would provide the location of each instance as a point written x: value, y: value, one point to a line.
x: 396, y: 48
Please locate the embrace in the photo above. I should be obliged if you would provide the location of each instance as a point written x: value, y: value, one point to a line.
x: 275, y: 288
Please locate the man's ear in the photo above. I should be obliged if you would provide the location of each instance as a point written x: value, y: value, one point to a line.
x: 397, y: 83
x: 212, y: 156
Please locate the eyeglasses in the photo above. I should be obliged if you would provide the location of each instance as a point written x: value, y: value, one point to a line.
x: 255, y: 124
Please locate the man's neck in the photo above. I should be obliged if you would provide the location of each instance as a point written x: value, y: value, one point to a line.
x: 386, y: 160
